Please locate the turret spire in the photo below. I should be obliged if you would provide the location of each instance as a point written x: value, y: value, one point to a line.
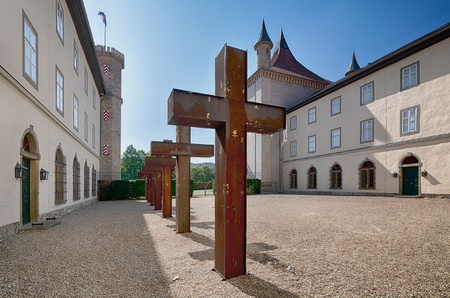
x: 263, y: 48
x: 263, y: 37
x: 353, y: 65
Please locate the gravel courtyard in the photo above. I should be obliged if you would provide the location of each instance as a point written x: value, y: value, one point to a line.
x: 297, y: 246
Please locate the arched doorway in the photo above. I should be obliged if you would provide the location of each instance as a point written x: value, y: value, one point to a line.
x: 410, y: 178
x: 29, y: 192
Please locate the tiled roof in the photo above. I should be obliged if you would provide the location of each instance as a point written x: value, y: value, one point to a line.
x: 284, y: 62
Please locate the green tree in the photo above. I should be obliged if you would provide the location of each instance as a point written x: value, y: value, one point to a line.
x: 202, y: 174
x: 131, y: 163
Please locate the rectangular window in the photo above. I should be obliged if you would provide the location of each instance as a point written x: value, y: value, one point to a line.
x: 336, y: 106
x: 86, y: 81
x: 367, y: 93
x: 60, y: 21
x: 336, y: 138
x: 293, y: 122
x: 75, y: 57
x: 75, y: 112
x: 59, y: 92
x: 86, y: 128
x: 367, y: 131
x: 30, y: 43
x: 94, y: 98
x: 312, y: 144
x: 410, y: 75
x: 312, y: 115
x: 410, y: 120
x: 293, y: 148
x: 93, y: 136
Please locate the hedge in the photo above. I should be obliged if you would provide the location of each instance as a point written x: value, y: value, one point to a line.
x: 120, y: 189
x: 174, y: 188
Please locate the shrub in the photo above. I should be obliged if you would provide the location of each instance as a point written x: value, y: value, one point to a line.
x: 119, y: 189
x: 174, y: 188
x: 137, y: 188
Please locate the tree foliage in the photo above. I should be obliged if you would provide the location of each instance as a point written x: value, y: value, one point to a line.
x: 132, y: 160
x: 202, y: 174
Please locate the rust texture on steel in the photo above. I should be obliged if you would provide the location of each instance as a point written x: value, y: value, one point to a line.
x: 232, y: 117
x: 154, y: 185
x: 167, y: 164
x: 183, y: 150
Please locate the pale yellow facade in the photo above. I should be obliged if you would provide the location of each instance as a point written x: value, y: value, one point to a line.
x: 30, y: 110
x: 429, y: 142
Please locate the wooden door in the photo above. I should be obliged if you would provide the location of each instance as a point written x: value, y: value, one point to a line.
x: 26, y: 192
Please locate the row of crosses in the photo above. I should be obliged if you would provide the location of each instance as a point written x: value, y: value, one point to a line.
x: 232, y: 117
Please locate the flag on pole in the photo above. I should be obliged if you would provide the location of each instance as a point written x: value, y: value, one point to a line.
x: 103, y: 17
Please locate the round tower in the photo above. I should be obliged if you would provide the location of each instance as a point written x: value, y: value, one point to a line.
x: 111, y: 62
x: 263, y: 48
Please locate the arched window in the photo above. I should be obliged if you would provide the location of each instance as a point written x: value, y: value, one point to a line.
x: 367, y: 175
x: 293, y: 179
x: 94, y: 181
x: 312, y: 178
x: 60, y: 177
x: 410, y: 160
x: 76, y: 180
x: 336, y: 176
x: 86, y: 180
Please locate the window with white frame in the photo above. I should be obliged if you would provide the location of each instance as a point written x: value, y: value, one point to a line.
x: 75, y: 57
x: 86, y: 128
x: 312, y: 115
x: 410, y: 75
x: 59, y: 92
x: 312, y: 144
x: 94, y: 98
x: 293, y: 122
x: 93, y: 136
x: 30, y: 40
x: 336, y: 138
x: 336, y: 106
x: 410, y: 120
x: 367, y: 131
x: 293, y: 148
x: 86, y: 81
x: 76, y: 112
x: 59, y: 20
x: 367, y: 93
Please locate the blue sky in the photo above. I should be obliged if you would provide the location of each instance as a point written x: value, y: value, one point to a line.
x: 173, y: 43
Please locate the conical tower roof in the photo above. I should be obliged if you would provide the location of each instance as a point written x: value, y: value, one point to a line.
x: 263, y: 37
x: 353, y: 65
x: 284, y: 62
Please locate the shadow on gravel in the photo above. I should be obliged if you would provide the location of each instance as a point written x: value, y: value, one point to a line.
x: 257, y: 287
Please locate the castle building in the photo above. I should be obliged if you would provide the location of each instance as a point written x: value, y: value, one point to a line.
x: 279, y: 80
x: 52, y: 92
x: 382, y: 129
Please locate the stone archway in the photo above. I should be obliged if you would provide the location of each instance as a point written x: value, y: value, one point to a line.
x: 29, y: 193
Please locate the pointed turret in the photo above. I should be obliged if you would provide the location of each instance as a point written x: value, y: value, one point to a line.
x: 263, y: 48
x: 284, y: 62
x: 353, y: 65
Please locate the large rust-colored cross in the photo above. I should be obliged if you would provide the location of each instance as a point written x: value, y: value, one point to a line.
x: 229, y: 113
x: 153, y: 176
x: 183, y: 150
x: 168, y: 165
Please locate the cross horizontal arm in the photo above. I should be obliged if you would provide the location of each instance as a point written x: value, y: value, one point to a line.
x: 265, y: 119
x: 160, y: 161
x: 196, y: 109
x: 183, y: 149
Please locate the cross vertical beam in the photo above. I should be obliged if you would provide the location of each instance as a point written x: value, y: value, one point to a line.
x: 183, y: 183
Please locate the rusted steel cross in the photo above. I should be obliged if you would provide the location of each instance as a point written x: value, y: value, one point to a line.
x: 232, y: 117
x: 183, y: 150
x: 168, y: 165
x: 153, y: 175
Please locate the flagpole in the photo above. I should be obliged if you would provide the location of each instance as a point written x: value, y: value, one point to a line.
x: 105, y: 37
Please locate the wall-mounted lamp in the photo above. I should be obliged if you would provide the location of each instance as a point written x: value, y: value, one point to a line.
x: 424, y: 173
x: 43, y: 174
x: 19, y: 171
x: 395, y: 174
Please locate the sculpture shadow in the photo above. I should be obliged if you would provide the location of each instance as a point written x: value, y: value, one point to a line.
x: 257, y: 287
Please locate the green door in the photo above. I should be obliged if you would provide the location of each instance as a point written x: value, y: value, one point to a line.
x: 26, y: 192
x: 411, y: 181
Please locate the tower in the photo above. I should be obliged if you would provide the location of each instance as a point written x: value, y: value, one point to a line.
x: 111, y: 62
x: 263, y: 48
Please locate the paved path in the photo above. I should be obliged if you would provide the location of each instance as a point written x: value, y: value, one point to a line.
x: 298, y: 246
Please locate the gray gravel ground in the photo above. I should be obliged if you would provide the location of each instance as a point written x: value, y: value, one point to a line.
x: 298, y: 246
